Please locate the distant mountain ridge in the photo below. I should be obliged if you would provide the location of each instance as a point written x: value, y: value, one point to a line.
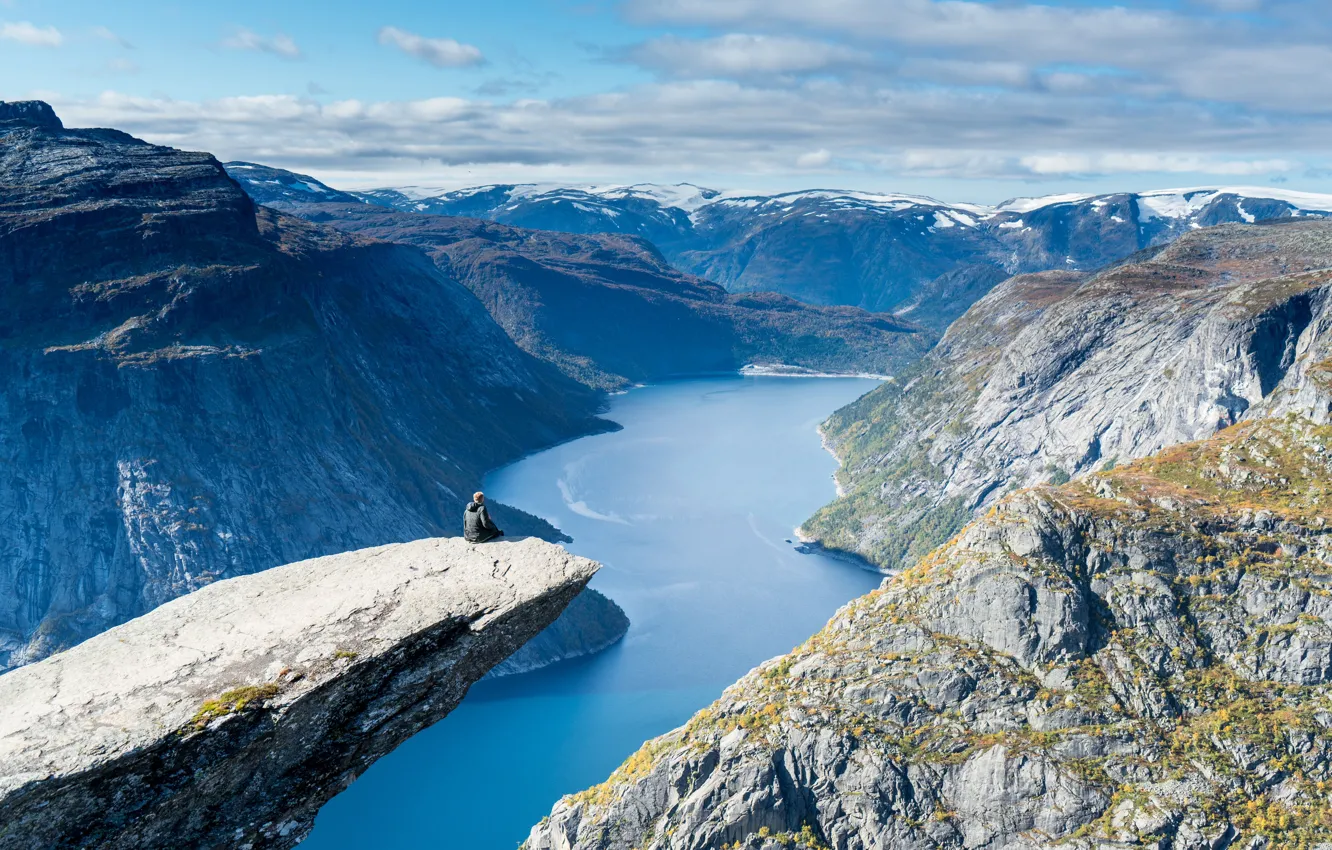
x: 916, y: 256
x: 1134, y: 649
x: 493, y: 199
x: 608, y: 309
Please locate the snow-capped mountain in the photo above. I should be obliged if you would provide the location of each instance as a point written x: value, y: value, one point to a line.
x: 656, y: 212
x: 274, y: 186
x: 914, y: 255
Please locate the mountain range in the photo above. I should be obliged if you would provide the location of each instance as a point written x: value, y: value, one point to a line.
x: 918, y: 257
x: 1105, y: 500
x: 608, y: 309
x: 199, y: 386
x: 1103, y: 494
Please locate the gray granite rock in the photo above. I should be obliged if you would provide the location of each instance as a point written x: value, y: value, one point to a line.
x: 1059, y: 374
x: 226, y: 718
x: 1140, y: 659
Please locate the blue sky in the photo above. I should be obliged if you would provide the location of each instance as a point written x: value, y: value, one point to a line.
x: 961, y: 99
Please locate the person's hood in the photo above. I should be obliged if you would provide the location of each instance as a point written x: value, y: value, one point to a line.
x: 474, y: 506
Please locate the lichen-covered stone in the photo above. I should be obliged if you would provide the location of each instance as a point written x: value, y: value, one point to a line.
x: 1142, y: 658
x: 227, y: 717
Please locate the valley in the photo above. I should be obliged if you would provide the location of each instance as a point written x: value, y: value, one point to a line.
x: 198, y: 388
x: 1057, y: 374
x: 688, y: 509
x: 1140, y: 657
x: 1093, y: 465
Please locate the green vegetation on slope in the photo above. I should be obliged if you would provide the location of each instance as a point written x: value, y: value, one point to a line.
x: 1170, y: 683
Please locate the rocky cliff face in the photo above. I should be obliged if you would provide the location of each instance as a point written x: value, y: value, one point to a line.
x: 923, y: 259
x: 195, y: 388
x: 1053, y: 375
x: 608, y: 310
x: 228, y: 717
x: 589, y: 625
x: 1139, y: 659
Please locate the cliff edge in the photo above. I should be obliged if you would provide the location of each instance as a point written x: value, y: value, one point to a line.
x: 229, y: 716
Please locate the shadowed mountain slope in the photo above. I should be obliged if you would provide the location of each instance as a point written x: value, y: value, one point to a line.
x: 608, y: 309
x: 196, y: 388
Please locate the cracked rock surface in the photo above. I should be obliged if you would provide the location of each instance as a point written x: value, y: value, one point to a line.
x: 1139, y: 659
x: 226, y: 718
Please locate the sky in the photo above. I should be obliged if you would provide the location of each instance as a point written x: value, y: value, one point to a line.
x: 963, y: 100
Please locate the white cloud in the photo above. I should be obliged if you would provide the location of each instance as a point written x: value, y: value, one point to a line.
x: 1137, y: 163
x: 107, y: 35
x: 968, y: 72
x: 1292, y: 77
x: 440, y: 52
x: 1020, y: 31
x: 278, y: 45
x: 26, y: 33
x: 740, y: 55
x: 1232, y: 5
x: 1027, y: 90
x: 814, y: 159
x: 674, y: 128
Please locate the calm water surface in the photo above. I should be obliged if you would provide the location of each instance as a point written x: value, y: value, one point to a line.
x: 689, y: 509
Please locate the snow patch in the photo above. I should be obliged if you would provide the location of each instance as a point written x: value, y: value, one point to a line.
x: 1026, y: 205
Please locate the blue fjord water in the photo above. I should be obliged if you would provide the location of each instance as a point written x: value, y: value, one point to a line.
x: 688, y: 509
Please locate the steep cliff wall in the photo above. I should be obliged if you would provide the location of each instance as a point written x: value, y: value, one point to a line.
x: 1057, y: 374
x: 589, y: 625
x: 193, y: 388
x: 227, y: 717
x: 1139, y: 659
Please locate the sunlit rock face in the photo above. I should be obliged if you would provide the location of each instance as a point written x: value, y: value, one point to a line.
x: 1057, y: 374
x: 1139, y: 658
x: 227, y: 717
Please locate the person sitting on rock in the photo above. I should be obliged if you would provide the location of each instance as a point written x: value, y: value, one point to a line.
x: 478, y: 527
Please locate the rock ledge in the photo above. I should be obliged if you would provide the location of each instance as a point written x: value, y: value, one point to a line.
x: 227, y: 717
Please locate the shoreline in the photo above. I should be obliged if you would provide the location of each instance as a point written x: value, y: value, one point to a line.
x: 780, y: 370
x: 748, y: 371
x: 827, y: 447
